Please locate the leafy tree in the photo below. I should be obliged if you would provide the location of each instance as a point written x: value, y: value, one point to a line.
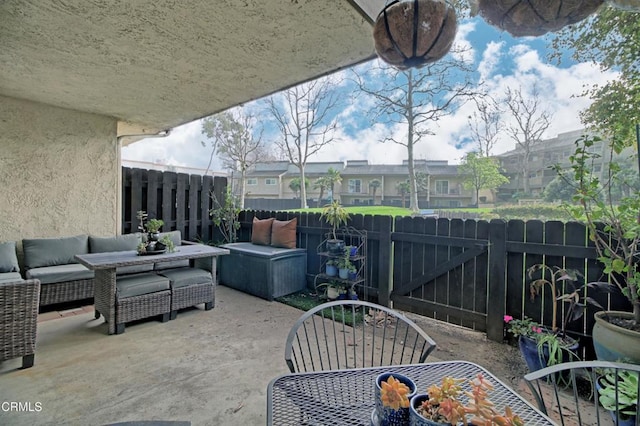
x: 532, y: 119
x: 236, y: 141
x: 294, y: 185
x: 374, y: 184
x: 224, y: 216
x: 418, y: 99
x: 403, y: 188
x: 305, y: 116
x: 321, y: 183
x: 611, y: 39
x: 333, y: 178
x: 559, y: 189
x: 480, y: 173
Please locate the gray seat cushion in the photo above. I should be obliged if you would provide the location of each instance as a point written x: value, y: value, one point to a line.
x: 53, y: 251
x: 60, y: 273
x: 8, y: 277
x: 8, y: 258
x: 136, y: 285
x: 183, y: 277
x: 176, y: 238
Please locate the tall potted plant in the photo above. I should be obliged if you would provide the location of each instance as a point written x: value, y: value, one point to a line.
x: 335, y: 215
x: 614, y: 227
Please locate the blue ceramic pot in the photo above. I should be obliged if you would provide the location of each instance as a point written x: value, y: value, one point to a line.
x: 537, y: 360
x: 415, y: 418
x: 386, y: 415
x: 331, y: 270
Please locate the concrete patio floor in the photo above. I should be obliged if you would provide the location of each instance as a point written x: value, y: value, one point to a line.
x: 207, y: 367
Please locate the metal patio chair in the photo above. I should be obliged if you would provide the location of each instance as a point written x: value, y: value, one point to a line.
x: 354, y: 334
x: 567, y: 393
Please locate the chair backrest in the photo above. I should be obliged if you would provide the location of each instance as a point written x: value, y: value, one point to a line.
x: 354, y: 334
x: 568, y: 392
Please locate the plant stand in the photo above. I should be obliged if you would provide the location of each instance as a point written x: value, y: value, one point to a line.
x: 354, y: 284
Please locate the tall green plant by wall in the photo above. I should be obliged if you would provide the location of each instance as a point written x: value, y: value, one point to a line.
x: 225, y: 216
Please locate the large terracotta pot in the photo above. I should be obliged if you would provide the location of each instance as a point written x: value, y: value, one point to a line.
x: 613, y: 343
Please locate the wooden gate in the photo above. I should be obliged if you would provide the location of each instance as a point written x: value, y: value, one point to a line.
x: 442, y: 269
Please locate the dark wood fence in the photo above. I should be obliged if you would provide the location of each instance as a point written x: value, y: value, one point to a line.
x: 182, y: 201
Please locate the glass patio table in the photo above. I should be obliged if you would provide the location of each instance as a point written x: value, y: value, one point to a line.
x: 346, y: 397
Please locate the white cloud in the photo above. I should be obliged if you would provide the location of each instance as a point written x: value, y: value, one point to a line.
x: 490, y: 58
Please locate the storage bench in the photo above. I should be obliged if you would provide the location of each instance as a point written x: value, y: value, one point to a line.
x: 264, y: 271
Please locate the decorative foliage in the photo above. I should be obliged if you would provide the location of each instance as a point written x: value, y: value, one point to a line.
x: 627, y: 395
x: 225, y: 216
x: 394, y: 393
x: 335, y: 215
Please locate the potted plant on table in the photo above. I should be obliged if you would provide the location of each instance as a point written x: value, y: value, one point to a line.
x: 393, y: 393
x: 614, y: 228
x: 448, y: 404
x: 151, y: 241
x: 335, y: 215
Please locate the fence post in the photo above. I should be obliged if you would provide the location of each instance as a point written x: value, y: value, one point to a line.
x: 385, y: 257
x: 497, y: 288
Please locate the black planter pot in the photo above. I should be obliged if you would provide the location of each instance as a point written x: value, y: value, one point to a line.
x: 335, y: 247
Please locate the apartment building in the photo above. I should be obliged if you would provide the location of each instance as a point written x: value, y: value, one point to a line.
x: 545, y: 154
x: 443, y: 189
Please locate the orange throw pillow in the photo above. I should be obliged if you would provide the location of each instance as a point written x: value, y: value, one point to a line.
x: 261, y: 231
x: 283, y: 233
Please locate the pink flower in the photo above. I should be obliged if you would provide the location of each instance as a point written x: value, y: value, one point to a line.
x: 536, y: 329
x: 508, y: 318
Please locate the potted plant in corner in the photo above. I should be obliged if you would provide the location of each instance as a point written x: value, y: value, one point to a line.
x: 622, y: 404
x: 335, y: 215
x: 614, y: 228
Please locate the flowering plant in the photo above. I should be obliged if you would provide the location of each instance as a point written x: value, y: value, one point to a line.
x: 394, y: 394
x: 524, y: 327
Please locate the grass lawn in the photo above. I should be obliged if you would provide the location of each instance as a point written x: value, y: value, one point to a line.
x: 387, y: 210
x: 306, y: 300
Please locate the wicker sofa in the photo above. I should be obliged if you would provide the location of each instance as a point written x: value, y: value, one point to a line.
x: 19, y: 320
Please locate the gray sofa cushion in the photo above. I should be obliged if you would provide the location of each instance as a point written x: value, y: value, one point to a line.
x: 187, y: 276
x: 8, y: 277
x: 8, y: 258
x: 136, y: 285
x: 60, y: 273
x: 126, y: 242
x: 176, y: 237
x: 118, y: 243
x: 53, y: 251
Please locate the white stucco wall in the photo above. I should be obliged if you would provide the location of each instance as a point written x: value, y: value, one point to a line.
x: 59, y: 172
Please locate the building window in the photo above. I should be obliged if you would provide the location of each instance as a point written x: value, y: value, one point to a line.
x: 442, y: 187
x: 252, y: 181
x: 354, y: 186
x: 270, y: 181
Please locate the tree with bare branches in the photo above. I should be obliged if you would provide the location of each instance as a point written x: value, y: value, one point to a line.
x: 532, y: 119
x: 418, y: 99
x: 305, y: 116
x: 236, y: 141
x: 485, y: 124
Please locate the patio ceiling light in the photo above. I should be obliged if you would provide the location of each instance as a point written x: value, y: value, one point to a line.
x: 412, y: 33
x: 533, y: 17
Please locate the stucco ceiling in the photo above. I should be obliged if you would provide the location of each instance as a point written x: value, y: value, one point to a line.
x: 161, y: 63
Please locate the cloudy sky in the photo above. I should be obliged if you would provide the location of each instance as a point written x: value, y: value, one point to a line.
x: 500, y: 60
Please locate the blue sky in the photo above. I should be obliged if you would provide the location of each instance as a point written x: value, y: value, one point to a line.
x: 501, y: 60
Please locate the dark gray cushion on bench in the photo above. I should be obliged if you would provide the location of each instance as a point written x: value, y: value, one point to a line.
x: 126, y: 242
x: 8, y: 258
x: 176, y: 238
x: 8, y: 277
x: 136, y: 285
x: 187, y: 276
x: 53, y: 251
x: 60, y: 273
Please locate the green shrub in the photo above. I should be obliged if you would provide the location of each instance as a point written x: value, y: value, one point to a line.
x: 541, y: 211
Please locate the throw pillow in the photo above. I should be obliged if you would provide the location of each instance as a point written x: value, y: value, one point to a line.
x: 8, y: 258
x: 261, y: 231
x: 283, y: 233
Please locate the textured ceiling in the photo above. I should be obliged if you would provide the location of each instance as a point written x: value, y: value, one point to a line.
x: 161, y: 63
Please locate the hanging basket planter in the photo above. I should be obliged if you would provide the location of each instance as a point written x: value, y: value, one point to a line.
x: 628, y: 5
x: 412, y: 33
x: 523, y: 18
